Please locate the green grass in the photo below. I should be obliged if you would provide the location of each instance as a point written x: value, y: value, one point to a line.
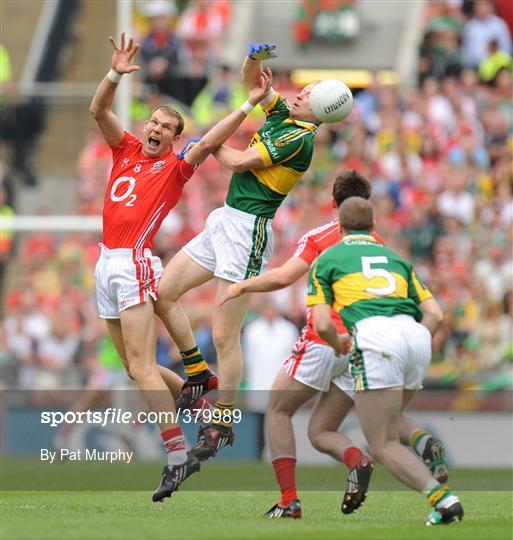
x: 113, y: 515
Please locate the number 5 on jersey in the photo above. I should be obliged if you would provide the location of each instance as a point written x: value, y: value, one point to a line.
x: 370, y: 273
x: 127, y: 193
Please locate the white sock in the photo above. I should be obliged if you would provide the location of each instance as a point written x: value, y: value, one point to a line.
x: 447, y: 501
x: 175, y: 446
x: 420, y: 445
x: 430, y: 486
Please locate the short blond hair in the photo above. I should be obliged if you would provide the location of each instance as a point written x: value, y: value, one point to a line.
x: 356, y: 214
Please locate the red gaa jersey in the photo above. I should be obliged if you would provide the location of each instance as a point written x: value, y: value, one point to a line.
x: 140, y: 193
x: 311, y: 245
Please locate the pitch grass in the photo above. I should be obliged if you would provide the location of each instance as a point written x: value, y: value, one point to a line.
x: 237, y: 515
x: 205, y: 515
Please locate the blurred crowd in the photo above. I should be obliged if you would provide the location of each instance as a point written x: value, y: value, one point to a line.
x: 439, y: 158
x: 181, y: 44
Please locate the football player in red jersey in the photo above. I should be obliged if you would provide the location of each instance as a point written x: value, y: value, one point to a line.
x: 146, y: 182
x: 313, y: 366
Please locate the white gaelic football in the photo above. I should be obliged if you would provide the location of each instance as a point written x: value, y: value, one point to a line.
x: 331, y: 101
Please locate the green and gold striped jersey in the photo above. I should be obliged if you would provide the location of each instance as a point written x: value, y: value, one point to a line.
x: 361, y: 278
x: 286, y: 146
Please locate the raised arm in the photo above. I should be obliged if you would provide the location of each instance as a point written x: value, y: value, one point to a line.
x: 101, y: 104
x: 273, y: 280
x: 252, y: 65
x: 239, y: 161
x: 224, y: 129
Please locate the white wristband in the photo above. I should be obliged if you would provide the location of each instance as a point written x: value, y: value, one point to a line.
x: 114, y: 76
x: 246, y: 107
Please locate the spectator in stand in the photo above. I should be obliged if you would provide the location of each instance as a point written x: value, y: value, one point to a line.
x: 440, y: 111
x: 161, y: 50
x: 444, y: 16
x: 421, y: 233
x: 223, y: 93
x: 201, y: 27
x: 6, y: 234
x: 22, y: 123
x: 494, y: 63
x: 495, y: 270
x: 484, y: 27
x: 5, y: 65
x: 266, y: 342
x: 203, y: 23
x: 57, y: 355
x: 455, y: 201
x: 20, y: 345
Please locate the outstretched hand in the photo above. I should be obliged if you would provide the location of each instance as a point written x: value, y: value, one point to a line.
x: 232, y: 291
x: 122, y: 57
x: 346, y: 342
x: 262, y: 87
x: 262, y: 51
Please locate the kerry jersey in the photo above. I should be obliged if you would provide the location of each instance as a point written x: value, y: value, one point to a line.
x: 140, y: 193
x: 286, y: 147
x: 361, y: 278
x: 309, y: 247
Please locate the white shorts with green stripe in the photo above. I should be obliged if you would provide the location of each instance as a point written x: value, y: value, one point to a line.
x: 234, y: 245
x: 390, y: 351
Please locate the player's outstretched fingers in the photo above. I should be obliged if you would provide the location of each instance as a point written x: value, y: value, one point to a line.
x: 134, y: 51
x: 232, y: 291
x: 113, y: 42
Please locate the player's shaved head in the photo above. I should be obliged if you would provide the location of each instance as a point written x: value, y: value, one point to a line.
x: 356, y: 214
x: 350, y: 183
x: 174, y: 114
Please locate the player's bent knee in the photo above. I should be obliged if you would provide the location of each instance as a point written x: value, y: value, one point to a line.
x: 167, y: 294
x: 225, y: 341
x: 278, y: 406
x: 140, y: 371
x: 313, y: 436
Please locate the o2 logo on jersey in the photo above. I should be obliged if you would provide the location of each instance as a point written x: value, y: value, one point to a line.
x: 126, y: 183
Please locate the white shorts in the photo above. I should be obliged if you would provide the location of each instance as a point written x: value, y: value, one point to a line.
x: 124, y: 278
x: 233, y: 245
x: 390, y: 351
x: 317, y: 366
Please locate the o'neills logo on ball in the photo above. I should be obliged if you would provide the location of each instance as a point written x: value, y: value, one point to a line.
x: 334, y: 106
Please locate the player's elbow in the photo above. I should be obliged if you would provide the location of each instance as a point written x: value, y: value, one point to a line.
x: 238, y: 165
x: 205, y: 147
x: 96, y: 112
x: 438, y: 315
x: 433, y: 309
